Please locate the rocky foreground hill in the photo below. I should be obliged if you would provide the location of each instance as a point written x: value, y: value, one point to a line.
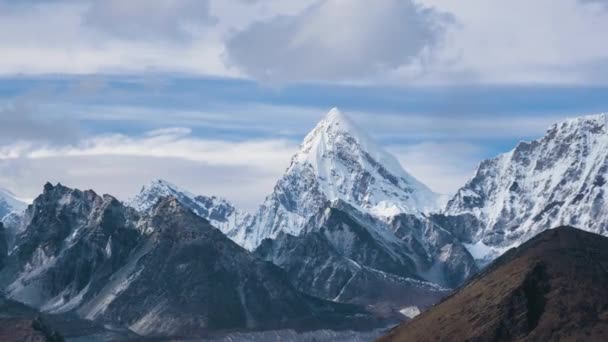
x: 552, y: 288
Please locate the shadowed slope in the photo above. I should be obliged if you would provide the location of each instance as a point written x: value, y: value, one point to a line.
x: 553, y: 287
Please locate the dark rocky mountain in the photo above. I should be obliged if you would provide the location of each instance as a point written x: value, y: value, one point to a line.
x: 350, y: 257
x: 203, y: 282
x: 440, y: 255
x: 164, y: 273
x: 71, y: 242
x: 551, y: 288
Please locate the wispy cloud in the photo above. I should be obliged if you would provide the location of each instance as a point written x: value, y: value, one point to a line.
x: 120, y: 164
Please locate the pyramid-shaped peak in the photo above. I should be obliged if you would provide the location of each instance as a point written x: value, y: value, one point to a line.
x: 160, y: 183
x: 337, y: 124
x: 335, y: 115
x: 338, y: 120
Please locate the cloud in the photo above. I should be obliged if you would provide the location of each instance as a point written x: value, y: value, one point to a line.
x: 409, y: 42
x: 118, y: 164
x: 336, y: 40
x: 408, y: 127
x: 18, y: 123
x: 150, y: 19
x: 443, y: 166
x: 120, y: 37
x: 521, y: 42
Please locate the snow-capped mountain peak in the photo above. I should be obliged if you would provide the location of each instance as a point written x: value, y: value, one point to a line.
x: 153, y: 191
x: 336, y: 142
x: 218, y: 211
x: 559, y: 179
x: 338, y: 161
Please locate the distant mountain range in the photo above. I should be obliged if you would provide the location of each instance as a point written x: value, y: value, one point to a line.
x: 347, y: 239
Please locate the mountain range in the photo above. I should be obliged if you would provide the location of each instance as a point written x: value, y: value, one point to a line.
x: 344, y: 196
x: 94, y: 257
x: 559, y: 179
x: 347, y: 238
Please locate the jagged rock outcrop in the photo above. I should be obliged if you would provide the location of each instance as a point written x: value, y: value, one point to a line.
x: 71, y: 242
x: 346, y: 256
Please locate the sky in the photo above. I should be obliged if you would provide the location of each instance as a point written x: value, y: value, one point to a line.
x: 216, y: 95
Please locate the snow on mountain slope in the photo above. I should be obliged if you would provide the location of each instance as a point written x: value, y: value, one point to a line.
x: 11, y: 212
x: 337, y: 161
x: 10, y: 203
x: 218, y: 211
x: 559, y: 179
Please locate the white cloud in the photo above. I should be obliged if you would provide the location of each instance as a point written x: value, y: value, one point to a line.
x: 521, y: 41
x: 337, y: 40
x: 145, y: 19
x: 117, y: 164
x: 87, y: 37
x: 350, y: 41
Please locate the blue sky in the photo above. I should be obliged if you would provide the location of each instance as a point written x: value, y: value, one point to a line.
x: 216, y: 95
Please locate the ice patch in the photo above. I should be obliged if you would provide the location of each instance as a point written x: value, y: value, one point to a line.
x: 483, y: 253
x: 410, y: 311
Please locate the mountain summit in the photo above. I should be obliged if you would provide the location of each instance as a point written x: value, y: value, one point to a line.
x: 337, y: 161
x: 559, y: 179
x: 218, y: 211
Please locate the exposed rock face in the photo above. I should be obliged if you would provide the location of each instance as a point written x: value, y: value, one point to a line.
x: 218, y: 211
x: 164, y: 273
x: 348, y: 257
x: 440, y: 255
x: 559, y: 179
x: 203, y: 282
x: 70, y: 244
x: 337, y: 161
x: 552, y: 287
